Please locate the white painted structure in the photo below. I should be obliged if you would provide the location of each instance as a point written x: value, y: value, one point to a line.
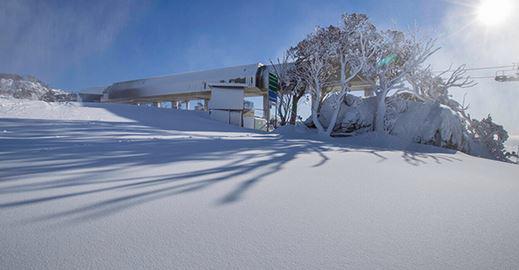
x: 192, y: 85
x: 226, y: 103
x: 227, y: 97
x: 223, y: 91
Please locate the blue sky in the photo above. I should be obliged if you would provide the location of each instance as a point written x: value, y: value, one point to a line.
x: 78, y: 44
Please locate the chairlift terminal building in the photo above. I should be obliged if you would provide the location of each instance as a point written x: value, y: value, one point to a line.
x: 222, y: 90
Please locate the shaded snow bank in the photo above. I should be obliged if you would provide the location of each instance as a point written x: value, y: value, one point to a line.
x: 367, y: 140
x: 104, y: 112
x: 35, y: 109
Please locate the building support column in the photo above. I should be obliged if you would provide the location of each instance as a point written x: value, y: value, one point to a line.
x: 266, y: 109
x: 368, y: 92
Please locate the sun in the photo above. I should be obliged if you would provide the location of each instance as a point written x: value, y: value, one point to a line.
x: 494, y: 12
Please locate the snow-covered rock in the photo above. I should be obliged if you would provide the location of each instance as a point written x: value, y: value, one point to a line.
x: 424, y: 122
x: 430, y: 123
x: 355, y: 117
x: 12, y: 85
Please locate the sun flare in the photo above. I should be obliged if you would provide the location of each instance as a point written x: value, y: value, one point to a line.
x: 494, y: 12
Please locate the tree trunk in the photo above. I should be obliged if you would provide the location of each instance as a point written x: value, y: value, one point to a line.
x: 335, y: 114
x: 340, y: 98
x: 380, y: 113
x: 317, y: 123
x: 293, y: 112
x: 282, y: 117
x: 315, y: 116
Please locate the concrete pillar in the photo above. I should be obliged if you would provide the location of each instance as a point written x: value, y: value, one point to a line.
x: 187, y: 104
x: 368, y: 92
x: 266, y: 107
x: 156, y: 104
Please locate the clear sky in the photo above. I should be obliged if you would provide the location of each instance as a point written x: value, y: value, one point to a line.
x: 79, y: 44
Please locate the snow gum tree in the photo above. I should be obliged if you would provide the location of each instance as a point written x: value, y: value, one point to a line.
x: 352, y: 48
x: 395, y: 58
x: 391, y: 63
x: 329, y: 59
x: 289, y: 88
x: 492, y: 136
x: 314, y: 68
x: 428, y: 86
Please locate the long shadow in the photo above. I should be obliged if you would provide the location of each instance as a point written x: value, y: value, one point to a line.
x: 73, y: 154
x: 169, y: 119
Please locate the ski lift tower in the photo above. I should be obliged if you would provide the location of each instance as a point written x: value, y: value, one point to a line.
x: 510, y: 75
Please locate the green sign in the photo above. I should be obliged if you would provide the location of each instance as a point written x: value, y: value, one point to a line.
x: 387, y: 60
x: 273, y: 82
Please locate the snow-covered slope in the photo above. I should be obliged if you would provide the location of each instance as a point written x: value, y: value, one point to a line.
x: 98, y: 186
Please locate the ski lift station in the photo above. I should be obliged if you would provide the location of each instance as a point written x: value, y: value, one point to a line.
x: 222, y: 92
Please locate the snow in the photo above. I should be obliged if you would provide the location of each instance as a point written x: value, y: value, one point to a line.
x: 19, y: 108
x: 513, y: 142
x: 423, y: 121
x: 355, y: 116
x: 12, y: 85
x: 104, y: 186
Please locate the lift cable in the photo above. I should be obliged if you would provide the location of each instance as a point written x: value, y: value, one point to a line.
x: 487, y: 68
x: 481, y: 68
x: 483, y: 77
x: 480, y: 77
x: 503, y: 73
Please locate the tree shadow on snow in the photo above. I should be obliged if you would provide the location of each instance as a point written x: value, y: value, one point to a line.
x: 72, y: 155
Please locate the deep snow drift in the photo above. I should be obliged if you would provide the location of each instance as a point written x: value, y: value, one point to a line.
x: 114, y: 186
